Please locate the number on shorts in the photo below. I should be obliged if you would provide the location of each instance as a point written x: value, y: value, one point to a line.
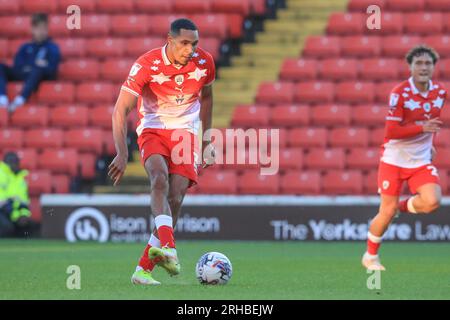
x: 433, y: 169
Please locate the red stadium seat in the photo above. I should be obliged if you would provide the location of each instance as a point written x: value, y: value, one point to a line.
x: 275, y: 92
x: 94, y: 25
x: 14, y: 46
x: 338, y: 69
x: 442, y: 138
x: 116, y: 69
x: 314, y: 92
x: 69, y: 116
x: 391, y: 24
x: 159, y: 23
x: 3, y: 48
x: 368, y: 115
x: 101, y: 116
x: 114, y: 6
x: 321, y: 47
x: 3, y: 117
x: 441, y: 43
x: 342, y: 182
x: 15, y: 26
x: 28, y: 158
x: 323, y: 159
x: 44, y: 138
x: 241, y: 7
x: 218, y: 182
x: 442, y: 159
x: 444, y: 181
x: 92, y: 92
x: 235, y: 24
x: 70, y: 47
x: 136, y: 47
x: 9, y: 7
x: 355, y: 92
x: 160, y: 6
x: 60, y: 183
x: 11, y: 138
x: 299, y: 69
x: 59, y: 161
x: 383, y: 90
x: 191, y: 6
x: 56, y: 92
x: 370, y: 182
x: 13, y: 89
x: 212, y: 45
x: 300, y: 182
x: 105, y: 47
x: 258, y: 6
x: 30, y: 116
x: 423, y: 23
x: 349, y: 137
x: 79, y: 70
x: 379, y: 69
x: 405, y: 5
x: 437, y: 5
x: 85, y: 5
x: 108, y: 143
x: 250, y: 116
x: 444, y: 69
x: 376, y: 138
x: 398, y: 46
x: 346, y: 23
x: 289, y: 115
x: 129, y: 25
x: 363, y: 158
x: 360, y: 46
x: 264, y: 136
x: 47, y: 6
x: 307, y: 137
x: 87, y: 139
x: 291, y: 158
x: 362, y: 5
x: 87, y: 162
x: 331, y: 115
x: 213, y: 25
x: 252, y: 182
x: 39, y: 182
x: 57, y: 26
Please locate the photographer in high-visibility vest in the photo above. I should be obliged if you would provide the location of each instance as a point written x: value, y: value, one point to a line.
x: 14, y: 200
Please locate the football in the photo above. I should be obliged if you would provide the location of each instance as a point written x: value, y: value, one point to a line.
x: 213, y: 268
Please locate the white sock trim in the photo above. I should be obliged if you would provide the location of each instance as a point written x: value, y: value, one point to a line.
x: 154, y: 241
x: 163, y: 220
x: 370, y: 256
x: 373, y: 238
x: 410, y: 205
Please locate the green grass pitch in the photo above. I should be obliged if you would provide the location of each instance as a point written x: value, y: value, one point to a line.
x: 36, y: 269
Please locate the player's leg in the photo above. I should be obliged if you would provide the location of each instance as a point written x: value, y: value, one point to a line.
x: 424, y: 184
x: 177, y: 190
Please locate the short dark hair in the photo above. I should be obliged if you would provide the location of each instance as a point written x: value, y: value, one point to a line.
x: 11, y: 156
x: 179, y: 24
x: 419, y: 50
x: 38, y: 18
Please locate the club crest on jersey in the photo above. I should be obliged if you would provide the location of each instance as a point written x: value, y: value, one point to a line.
x: 426, y: 107
x: 393, y: 99
x: 179, y: 79
x: 385, y: 184
x: 135, y: 69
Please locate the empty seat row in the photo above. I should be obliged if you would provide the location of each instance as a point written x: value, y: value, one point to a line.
x: 395, y: 46
x: 298, y: 182
x: 93, y: 140
x: 340, y: 69
x: 354, y: 92
x: 400, y: 5
x: 417, y: 23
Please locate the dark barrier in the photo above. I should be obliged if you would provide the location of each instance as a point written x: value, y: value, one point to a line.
x: 126, y: 218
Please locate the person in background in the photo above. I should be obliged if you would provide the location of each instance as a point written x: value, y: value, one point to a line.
x: 15, y: 215
x: 35, y: 61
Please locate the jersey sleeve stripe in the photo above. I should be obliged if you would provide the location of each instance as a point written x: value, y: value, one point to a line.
x: 134, y: 93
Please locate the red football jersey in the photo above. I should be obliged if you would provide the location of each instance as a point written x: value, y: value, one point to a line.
x: 169, y: 94
x: 409, y: 106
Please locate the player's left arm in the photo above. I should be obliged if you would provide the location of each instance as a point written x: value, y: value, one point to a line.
x: 206, y: 119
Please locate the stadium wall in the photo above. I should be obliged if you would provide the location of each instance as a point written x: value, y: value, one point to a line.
x: 126, y: 218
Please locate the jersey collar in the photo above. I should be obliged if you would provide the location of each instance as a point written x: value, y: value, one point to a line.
x: 166, y: 59
x: 416, y: 91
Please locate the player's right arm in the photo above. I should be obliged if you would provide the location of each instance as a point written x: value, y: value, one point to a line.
x: 124, y: 105
x: 396, y: 129
x: 128, y: 97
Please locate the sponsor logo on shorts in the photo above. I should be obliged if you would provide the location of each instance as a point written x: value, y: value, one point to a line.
x: 385, y: 184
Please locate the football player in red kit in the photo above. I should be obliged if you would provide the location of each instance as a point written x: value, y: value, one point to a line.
x: 412, y: 121
x: 171, y: 87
